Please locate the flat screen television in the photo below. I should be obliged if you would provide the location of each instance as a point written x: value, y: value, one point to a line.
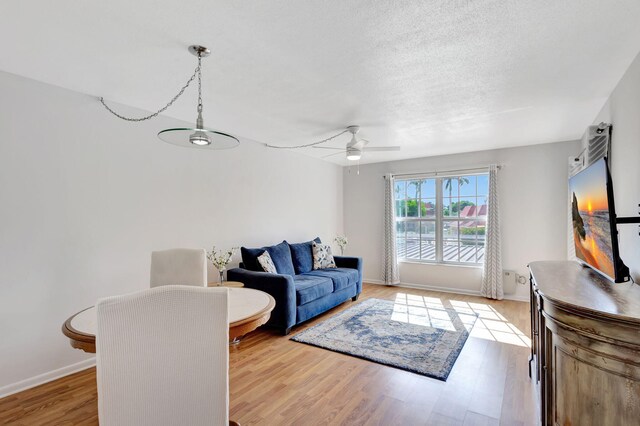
x: 595, y: 234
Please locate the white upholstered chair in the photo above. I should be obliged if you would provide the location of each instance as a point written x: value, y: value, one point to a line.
x: 163, y: 357
x: 179, y: 267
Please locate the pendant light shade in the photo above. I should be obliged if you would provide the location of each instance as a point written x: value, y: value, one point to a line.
x: 198, y: 138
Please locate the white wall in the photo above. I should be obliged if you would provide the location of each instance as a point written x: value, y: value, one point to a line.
x: 623, y: 111
x: 533, y: 200
x: 86, y: 197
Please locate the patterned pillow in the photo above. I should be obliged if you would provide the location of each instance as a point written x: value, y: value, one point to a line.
x: 322, y: 257
x: 265, y: 261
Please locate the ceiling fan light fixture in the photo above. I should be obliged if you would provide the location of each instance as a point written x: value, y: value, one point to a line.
x: 354, y: 154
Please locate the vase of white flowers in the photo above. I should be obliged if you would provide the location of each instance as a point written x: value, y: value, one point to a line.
x: 342, y: 242
x: 220, y: 259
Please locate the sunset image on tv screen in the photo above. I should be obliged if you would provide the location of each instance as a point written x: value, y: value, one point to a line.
x: 590, y: 216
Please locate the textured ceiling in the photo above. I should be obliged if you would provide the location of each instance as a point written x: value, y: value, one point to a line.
x: 435, y: 77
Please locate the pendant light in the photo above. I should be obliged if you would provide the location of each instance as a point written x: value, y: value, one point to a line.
x: 190, y: 137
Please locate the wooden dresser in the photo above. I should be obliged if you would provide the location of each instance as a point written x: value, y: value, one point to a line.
x: 585, y: 350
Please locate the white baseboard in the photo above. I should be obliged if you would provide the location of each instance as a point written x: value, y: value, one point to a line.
x: 46, y: 377
x: 517, y: 298
x: 446, y: 290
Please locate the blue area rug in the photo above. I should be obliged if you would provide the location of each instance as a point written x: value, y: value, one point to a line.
x: 413, y: 333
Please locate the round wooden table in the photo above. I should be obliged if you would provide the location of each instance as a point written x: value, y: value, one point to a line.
x: 236, y: 284
x: 248, y: 310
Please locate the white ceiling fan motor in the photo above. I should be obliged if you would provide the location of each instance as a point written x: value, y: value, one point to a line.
x: 354, y: 147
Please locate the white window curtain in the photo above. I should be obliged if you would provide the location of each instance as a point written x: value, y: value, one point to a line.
x: 390, y: 273
x: 492, y: 270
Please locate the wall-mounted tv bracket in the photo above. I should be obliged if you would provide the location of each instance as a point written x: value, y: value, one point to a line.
x: 621, y: 220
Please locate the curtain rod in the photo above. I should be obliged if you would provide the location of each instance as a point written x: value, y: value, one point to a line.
x: 444, y: 172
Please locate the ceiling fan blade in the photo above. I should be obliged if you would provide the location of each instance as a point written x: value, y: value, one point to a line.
x: 328, y: 147
x: 331, y: 155
x: 382, y: 148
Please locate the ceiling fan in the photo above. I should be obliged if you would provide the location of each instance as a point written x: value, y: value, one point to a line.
x: 356, y: 146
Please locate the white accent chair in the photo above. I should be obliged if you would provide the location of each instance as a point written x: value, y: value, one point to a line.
x: 179, y: 267
x: 163, y: 357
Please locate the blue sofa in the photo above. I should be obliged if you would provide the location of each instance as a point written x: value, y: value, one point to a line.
x: 300, y: 292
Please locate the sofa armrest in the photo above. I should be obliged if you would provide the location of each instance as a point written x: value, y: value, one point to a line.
x: 279, y: 286
x: 353, y: 263
x: 348, y: 262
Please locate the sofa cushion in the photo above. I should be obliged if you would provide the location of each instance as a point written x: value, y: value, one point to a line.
x: 311, y: 287
x: 302, y: 256
x: 280, y: 255
x: 341, y: 277
x: 250, y: 258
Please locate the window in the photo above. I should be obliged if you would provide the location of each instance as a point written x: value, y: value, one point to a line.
x: 442, y: 219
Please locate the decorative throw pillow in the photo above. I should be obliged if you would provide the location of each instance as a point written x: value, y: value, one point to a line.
x: 267, y: 264
x: 322, y: 257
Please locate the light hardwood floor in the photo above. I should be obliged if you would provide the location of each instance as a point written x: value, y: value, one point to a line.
x: 274, y: 381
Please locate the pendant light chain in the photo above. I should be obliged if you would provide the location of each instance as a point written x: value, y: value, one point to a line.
x: 161, y: 110
x: 329, y: 139
x: 199, y: 71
